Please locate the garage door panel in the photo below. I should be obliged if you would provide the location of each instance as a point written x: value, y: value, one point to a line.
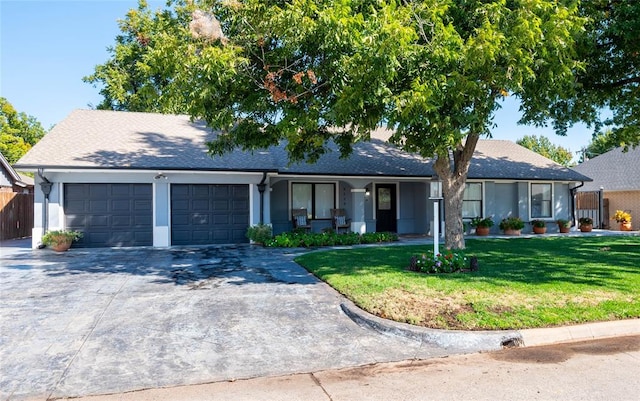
x: 216, y: 214
x: 198, y: 219
x: 99, y: 191
x: 110, y: 214
x: 200, y: 205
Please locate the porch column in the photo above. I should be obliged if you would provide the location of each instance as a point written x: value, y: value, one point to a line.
x: 358, y: 224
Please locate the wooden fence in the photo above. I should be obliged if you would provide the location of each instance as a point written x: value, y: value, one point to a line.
x: 16, y: 215
x: 592, y: 204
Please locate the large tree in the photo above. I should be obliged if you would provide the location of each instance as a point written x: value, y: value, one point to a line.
x: 602, y: 142
x: 311, y: 71
x: 607, y: 89
x: 543, y: 146
x: 18, y: 131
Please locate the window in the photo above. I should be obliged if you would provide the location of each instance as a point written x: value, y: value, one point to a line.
x: 318, y: 199
x: 541, y: 200
x: 472, y: 200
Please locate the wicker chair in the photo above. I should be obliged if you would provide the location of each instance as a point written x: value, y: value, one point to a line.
x: 300, y: 219
x: 339, y: 220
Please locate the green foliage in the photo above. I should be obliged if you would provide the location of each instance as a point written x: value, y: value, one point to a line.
x: 563, y: 223
x: 18, y: 132
x: 609, y: 78
x: 481, y: 222
x: 538, y: 223
x: 303, y: 239
x: 521, y: 283
x: 602, y: 142
x: 315, y: 71
x: 543, y: 146
x: 585, y: 221
x: 260, y: 233
x: 448, y: 262
x: 512, y: 223
x: 56, y: 237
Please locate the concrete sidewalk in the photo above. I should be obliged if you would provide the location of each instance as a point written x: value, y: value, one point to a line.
x: 598, y: 370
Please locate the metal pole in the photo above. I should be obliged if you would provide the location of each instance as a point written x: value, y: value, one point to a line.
x: 436, y: 228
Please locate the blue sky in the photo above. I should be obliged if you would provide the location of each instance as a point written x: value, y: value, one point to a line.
x: 47, y: 46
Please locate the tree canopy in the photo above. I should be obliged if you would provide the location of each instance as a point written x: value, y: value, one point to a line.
x: 601, y: 143
x: 610, y: 78
x: 18, y: 132
x: 543, y: 146
x: 313, y: 71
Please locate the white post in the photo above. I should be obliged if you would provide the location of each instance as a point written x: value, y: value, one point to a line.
x: 436, y: 228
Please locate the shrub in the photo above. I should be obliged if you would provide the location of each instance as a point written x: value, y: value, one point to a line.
x: 449, y: 262
x: 585, y: 221
x: 55, y: 237
x: 511, y: 223
x: 329, y: 238
x: 480, y: 222
x: 563, y: 223
x: 538, y: 223
x: 260, y: 233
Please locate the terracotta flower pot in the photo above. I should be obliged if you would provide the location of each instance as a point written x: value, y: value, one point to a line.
x: 482, y: 231
x: 586, y: 228
x: 539, y: 230
x: 564, y: 229
x: 626, y: 226
x: 61, y: 246
x: 512, y: 232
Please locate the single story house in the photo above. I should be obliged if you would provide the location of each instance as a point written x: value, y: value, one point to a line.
x: 143, y: 179
x: 617, y: 174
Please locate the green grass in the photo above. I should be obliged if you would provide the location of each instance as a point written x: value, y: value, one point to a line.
x: 522, y: 282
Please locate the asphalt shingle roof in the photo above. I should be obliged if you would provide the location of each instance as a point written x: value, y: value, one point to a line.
x: 128, y: 140
x: 614, y: 171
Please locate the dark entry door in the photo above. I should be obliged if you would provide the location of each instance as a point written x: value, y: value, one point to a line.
x: 386, y: 208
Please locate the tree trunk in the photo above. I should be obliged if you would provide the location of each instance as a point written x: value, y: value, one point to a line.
x: 453, y: 174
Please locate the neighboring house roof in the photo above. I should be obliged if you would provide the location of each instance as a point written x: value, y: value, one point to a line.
x: 94, y: 139
x: 614, y: 171
x: 12, y: 176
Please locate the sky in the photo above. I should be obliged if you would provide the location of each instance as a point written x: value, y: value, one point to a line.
x: 48, y: 46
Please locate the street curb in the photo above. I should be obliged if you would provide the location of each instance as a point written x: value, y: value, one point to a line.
x: 470, y: 341
x: 465, y: 341
x: 581, y: 332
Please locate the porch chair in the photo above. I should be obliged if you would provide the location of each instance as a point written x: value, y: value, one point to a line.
x: 300, y: 220
x: 339, y: 220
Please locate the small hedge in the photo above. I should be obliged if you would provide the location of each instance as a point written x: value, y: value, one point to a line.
x: 329, y: 238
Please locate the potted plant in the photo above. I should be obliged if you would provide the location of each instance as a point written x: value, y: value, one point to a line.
x: 512, y: 225
x: 539, y: 226
x: 481, y: 225
x: 624, y: 220
x: 60, y: 240
x: 563, y: 225
x: 585, y: 224
x: 260, y: 233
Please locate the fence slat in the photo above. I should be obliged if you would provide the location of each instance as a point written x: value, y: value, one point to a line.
x: 16, y: 215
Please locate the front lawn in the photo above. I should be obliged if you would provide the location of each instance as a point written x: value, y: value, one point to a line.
x: 521, y: 283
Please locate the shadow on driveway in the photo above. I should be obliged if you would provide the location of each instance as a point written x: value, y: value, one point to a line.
x: 96, y: 321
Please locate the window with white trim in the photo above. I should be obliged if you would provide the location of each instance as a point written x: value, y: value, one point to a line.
x: 317, y: 198
x: 472, y: 200
x: 541, y: 201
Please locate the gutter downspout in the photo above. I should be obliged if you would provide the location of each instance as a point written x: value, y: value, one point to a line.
x: 45, y: 185
x: 573, y: 202
x: 261, y: 187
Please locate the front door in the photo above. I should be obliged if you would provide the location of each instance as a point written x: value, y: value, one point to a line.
x: 386, y: 208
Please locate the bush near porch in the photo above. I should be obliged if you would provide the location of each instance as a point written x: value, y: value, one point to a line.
x: 521, y: 283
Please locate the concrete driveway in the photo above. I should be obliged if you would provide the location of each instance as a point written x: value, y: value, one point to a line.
x: 102, y: 321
